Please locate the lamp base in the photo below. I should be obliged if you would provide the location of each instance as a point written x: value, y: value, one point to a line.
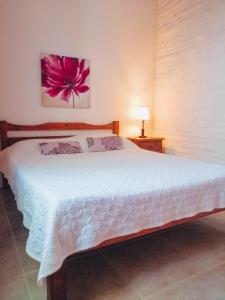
x: 142, y: 136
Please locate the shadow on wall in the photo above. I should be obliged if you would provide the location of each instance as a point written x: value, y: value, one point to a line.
x: 169, y: 151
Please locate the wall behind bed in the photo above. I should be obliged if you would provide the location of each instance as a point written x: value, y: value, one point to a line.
x: 190, y: 78
x: 117, y: 36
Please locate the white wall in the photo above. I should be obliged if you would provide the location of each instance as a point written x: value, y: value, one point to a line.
x: 117, y: 36
x: 190, y: 78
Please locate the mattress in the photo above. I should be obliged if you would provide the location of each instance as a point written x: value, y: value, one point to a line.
x: 73, y: 202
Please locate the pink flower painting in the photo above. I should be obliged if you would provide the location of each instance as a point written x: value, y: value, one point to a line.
x: 65, y: 81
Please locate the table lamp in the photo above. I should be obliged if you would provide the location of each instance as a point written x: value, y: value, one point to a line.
x: 143, y: 114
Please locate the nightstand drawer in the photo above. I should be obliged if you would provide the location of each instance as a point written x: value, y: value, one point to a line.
x: 151, y: 144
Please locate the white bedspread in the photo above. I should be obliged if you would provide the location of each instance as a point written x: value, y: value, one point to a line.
x: 74, y: 202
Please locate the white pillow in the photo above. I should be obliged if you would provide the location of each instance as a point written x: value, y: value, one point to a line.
x: 82, y: 139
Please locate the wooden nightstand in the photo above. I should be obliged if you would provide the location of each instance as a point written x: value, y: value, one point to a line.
x: 149, y: 143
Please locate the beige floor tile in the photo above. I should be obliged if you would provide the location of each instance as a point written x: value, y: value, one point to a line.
x: 10, y: 266
x: 219, y: 270
x: 16, y: 221
x: 122, y: 292
x: 200, y: 242
x: 149, y: 264
x: 14, y: 289
x: 28, y: 264
x: 205, y: 286
x: 36, y: 292
x: 217, y: 221
x: 91, y: 277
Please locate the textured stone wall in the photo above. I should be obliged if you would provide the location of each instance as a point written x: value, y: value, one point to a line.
x: 190, y: 78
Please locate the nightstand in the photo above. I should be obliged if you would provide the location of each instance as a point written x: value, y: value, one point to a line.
x: 149, y: 143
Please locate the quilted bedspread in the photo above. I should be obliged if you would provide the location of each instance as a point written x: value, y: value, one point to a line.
x: 74, y: 202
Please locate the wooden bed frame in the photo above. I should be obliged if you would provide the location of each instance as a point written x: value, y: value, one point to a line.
x: 56, y: 283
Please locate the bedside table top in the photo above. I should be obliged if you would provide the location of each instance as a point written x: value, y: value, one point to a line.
x: 147, y: 139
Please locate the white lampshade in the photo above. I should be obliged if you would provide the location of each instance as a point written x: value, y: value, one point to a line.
x: 142, y: 113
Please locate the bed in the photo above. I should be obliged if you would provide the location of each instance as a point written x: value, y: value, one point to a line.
x: 76, y: 203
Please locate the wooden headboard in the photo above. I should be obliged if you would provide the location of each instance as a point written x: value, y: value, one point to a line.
x: 7, y: 140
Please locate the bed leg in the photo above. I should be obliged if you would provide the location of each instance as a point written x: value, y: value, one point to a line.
x: 56, y: 285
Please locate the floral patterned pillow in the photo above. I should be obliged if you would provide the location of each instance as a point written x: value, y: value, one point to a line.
x: 106, y: 143
x: 52, y: 148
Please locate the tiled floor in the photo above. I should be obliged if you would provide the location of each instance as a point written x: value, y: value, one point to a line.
x: 184, y: 263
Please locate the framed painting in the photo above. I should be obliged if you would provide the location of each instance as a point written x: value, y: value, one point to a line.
x: 65, y: 81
